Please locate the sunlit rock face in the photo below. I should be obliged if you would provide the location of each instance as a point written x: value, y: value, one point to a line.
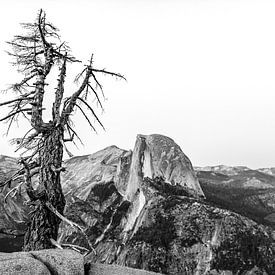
x: 155, y: 156
x: 112, y: 178
x: 159, y: 156
x: 84, y: 172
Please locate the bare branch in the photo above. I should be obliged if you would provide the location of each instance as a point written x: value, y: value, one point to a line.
x: 15, y: 100
x: 55, y: 243
x: 19, y: 174
x: 24, y: 81
x: 77, y: 78
x: 68, y: 108
x: 29, y: 188
x: 73, y: 131
x: 71, y: 138
x: 21, y: 141
x: 95, y: 93
x: 14, y: 113
x: 86, y: 117
x: 59, y: 92
x: 61, y: 217
x: 13, y: 191
x: 67, y: 150
x: 73, y: 224
x: 97, y: 83
x: 41, y: 27
x: 109, y: 73
x: 75, y: 246
x: 90, y: 108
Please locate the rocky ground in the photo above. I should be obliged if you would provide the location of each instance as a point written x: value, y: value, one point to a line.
x: 56, y: 261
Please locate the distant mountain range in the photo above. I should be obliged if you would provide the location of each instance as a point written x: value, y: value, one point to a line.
x: 241, y: 189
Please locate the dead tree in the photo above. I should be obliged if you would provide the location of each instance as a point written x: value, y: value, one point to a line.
x: 36, y: 53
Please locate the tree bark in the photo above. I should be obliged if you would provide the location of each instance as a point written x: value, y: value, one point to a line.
x: 44, y: 223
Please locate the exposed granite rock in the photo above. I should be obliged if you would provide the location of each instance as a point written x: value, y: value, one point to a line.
x: 98, y: 200
x: 22, y: 264
x: 102, y: 269
x: 84, y: 172
x: 159, y: 156
x: 178, y: 234
x: 61, y: 261
x: 58, y: 262
x: 49, y: 261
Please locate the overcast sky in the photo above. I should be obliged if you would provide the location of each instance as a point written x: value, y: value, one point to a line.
x: 200, y: 72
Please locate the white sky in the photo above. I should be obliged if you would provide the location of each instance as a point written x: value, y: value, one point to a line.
x: 200, y: 72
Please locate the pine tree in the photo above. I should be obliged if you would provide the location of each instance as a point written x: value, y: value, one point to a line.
x: 35, y: 54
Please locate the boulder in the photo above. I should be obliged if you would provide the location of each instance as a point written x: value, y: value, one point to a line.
x: 66, y: 261
x: 20, y: 264
x: 48, y: 261
x: 103, y: 269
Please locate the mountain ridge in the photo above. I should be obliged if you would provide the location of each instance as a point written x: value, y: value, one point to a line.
x: 147, y: 208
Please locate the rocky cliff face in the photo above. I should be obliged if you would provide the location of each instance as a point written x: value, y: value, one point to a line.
x: 152, y: 215
x: 173, y: 234
x: 59, y: 262
x: 110, y: 185
x: 146, y: 209
x: 153, y: 156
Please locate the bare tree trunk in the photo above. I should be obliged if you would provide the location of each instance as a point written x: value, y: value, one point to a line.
x: 36, y: 53
x: 44, y: 223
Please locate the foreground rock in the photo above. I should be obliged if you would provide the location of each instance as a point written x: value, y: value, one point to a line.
x: 58, y: 262
x: 103, y: 269
x: 50, y: 261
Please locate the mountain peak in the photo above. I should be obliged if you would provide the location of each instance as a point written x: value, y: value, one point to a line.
x: 159, y: 156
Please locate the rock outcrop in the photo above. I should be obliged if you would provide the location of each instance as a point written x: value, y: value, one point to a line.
x: 159, y: 156
x: 58, y: 262
x: 103, y: 269
x: 43, y: 262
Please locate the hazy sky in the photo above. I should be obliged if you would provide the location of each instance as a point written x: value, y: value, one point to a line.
x: 200, y: 72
